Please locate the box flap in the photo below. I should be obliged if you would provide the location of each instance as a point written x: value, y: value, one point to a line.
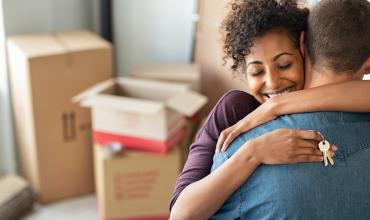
x: 39, y: 45
x: 93, y: 91
x: 36, y: 45
x: 81, y: 40
x: 123, y: 104
x: 187, y: 103
x: 10, y: 186
x: 93, y: 98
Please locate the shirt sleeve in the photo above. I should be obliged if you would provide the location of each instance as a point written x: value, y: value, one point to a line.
x: 232, y: 107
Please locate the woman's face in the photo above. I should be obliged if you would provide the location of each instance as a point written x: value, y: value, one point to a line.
x: 274, y: 66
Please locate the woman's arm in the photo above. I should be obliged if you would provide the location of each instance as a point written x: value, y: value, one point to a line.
x: 203, y: 198
x: 351, y: 96
x: 231, y: 108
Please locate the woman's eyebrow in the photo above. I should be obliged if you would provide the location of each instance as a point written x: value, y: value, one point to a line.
x: 253, y: 62
x: 281, y: 54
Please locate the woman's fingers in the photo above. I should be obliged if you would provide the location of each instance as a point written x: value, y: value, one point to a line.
x: 232, y: 135
x: 307, y: 151
x: 221, y: 139
x: 310, y: 153
x: 308, y: 135
x: 308, y: 158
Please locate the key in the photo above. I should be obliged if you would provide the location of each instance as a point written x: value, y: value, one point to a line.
x: 324, y: 146
x: 330, y: 159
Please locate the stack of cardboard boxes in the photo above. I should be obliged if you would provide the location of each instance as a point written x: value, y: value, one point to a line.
x: 150, y: 114
x: 151, y: 117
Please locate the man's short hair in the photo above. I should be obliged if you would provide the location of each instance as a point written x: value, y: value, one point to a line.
x: 338, y: 35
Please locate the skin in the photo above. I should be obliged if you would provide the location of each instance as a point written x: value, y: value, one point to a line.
x: 281, y: 146
x: 279, y: 67
x: 350, y: 87
x: 272, y: 68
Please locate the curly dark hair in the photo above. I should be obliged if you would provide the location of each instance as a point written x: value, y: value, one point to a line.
x: 249, y: 19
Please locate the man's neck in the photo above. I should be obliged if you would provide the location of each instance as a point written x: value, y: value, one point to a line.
x: 324, y: 77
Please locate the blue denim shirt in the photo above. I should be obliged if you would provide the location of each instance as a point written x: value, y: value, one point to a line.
x: 307, y: 190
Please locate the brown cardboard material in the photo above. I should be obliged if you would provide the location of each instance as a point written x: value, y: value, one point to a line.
x: 216, y: 78
x: 16, y: 197
x: 144, y: 108
x: 53, y: 134
x: 182, y: 73
x: 135, y: 185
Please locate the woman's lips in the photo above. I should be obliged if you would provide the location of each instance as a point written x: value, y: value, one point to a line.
x: 279, y: 92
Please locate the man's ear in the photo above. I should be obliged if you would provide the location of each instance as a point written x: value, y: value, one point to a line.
x: 301, y: 44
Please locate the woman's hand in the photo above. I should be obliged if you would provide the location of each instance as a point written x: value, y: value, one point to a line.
x: 286, y: 146
x: 261, y: 115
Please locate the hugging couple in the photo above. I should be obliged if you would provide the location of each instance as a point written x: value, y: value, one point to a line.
x: 257, y: 155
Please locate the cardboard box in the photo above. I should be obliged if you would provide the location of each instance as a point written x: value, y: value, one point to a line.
x: 16, y: 197
x: 135, y: 185
x: 140, y: 114
x: 182, y: 73
x: 53, y: 134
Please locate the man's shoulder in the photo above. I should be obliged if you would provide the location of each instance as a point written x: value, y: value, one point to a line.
x: 308, y: 121
x: 322, y: 117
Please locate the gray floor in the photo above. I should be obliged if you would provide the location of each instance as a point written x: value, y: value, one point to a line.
x: 80, y: 208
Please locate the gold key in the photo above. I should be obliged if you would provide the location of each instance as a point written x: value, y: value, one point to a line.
x: 324, y: 147
x: 330, y: 159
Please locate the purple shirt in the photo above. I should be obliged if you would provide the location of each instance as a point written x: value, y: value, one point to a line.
x: 231, y: 108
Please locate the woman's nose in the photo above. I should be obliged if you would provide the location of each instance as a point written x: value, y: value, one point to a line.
x: 272, y: 79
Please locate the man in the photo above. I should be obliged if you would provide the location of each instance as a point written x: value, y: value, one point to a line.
x: 335, y: 53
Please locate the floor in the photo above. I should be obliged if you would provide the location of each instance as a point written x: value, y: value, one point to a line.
x: 80, y: 208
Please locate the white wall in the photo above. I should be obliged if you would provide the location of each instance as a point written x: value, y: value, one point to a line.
x: 7, y: 152
x: 22, y: 16
x: 29, y: 16
x: 152, y: 31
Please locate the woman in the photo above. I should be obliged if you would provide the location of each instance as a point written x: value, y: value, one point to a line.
x: 262, y: 38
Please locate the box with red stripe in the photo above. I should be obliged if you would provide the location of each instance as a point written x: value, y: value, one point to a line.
x: 140, y: 114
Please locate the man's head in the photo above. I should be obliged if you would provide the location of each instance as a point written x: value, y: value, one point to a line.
x: 338, y: 37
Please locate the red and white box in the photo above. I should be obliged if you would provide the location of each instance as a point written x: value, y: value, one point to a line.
x: 140, y: 114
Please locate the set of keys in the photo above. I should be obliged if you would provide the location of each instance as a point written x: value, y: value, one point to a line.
x: 324, y: 147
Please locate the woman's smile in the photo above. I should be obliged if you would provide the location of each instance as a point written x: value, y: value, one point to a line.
x: 280, y: 91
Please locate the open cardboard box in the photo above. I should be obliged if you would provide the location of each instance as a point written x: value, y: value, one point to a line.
x: 140, y: 114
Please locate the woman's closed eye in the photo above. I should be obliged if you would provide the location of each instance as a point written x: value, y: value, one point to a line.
x: 284, y: 66
x: 255, y: 72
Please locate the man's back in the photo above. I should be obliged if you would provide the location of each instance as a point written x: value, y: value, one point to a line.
x: 308, y: 190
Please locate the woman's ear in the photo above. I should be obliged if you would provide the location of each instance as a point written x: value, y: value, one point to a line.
x: 367, y: 66
x: 301, y: 44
